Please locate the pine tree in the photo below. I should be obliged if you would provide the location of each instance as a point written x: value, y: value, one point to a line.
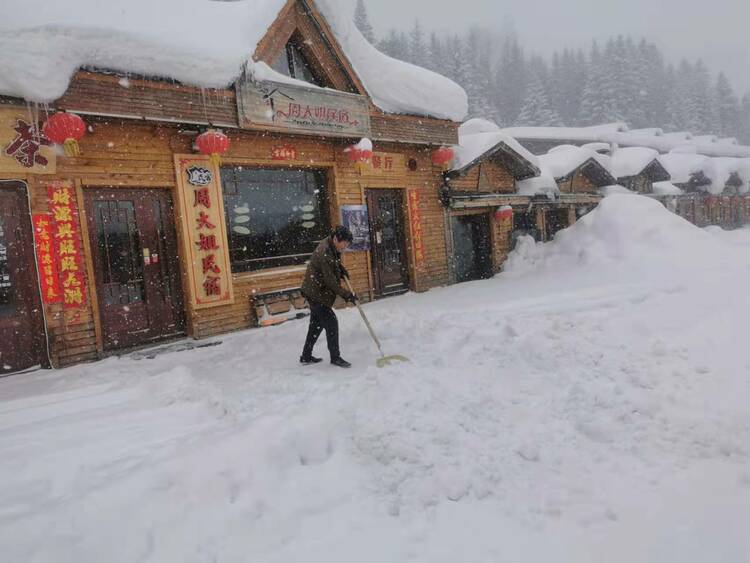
x: 417, y: 50
x: 745, y: 133
x: 536, y: 110
x: 728, y: 108
x: 510, y: 81
x: 362, y: 21
x: 435, y: 56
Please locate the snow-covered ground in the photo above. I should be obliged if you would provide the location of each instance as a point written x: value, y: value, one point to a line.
x: 588, y: 405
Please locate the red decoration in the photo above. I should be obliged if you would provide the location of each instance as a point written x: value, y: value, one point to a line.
x: 443, y: 157
x: 504, y: 213
x: 65, y: 129
x: 712, y: 200
x: 214, y: 143
x: 360, y: 154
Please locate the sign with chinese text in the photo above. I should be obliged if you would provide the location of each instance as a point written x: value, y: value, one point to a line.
x: 302, y: 109
x: 354, y: 218
x: 204, y: 231
x: 46, y: 259
x: 67, y: 244
x: 285, y: 152
x: 23, y: 147
x: 5, y: 280
x: 415, y: 223
x: 384, y: 163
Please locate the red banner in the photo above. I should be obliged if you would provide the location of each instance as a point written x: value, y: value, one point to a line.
x: 67, y: 246
x: 415, y: 221
x: 45, y: 257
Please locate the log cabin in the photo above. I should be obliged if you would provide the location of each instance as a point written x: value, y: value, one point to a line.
x: 190, y: 204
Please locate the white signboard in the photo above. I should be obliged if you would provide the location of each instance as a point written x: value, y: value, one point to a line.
x: 301, y: 109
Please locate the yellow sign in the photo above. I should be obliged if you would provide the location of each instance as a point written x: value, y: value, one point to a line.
x: 201, y: 210
x: 23, y: 147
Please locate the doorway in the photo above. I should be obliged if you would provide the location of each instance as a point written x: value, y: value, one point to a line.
x: 472, y: 247
x: 390, y: 267
x: 557, y: 220
x: 21, y: 320
x: 137, y: 271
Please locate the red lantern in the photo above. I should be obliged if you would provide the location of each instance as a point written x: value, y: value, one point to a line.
x: 443, y: 157
x: 214, y: 143
x: 65, y: 129
x: 504, y: 213
x: 360, y: 154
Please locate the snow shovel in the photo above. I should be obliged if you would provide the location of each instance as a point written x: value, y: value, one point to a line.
x: 383, y: 360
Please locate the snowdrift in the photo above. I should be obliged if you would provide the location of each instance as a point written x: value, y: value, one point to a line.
x: 633, y: 235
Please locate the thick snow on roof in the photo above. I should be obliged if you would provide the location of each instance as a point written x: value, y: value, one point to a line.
x: 196, y: 42
x: 722, y: 168
x: 564, y: 159
x: 666, y: 188
x: 478, y: 125
x: 630, y: 161
x: 618, y: 133
x: 474, y: 145
x: 544, y: 184
x: 681, y: 166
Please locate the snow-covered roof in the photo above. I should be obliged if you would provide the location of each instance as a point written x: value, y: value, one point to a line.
x: 682, y: 166
x: 618, y: 133
x: 563, y: 160
x: 632, y: 161
x: 196, y: 42
x: 666, y: 188
x: 544, y: 184
x: 476, y: 140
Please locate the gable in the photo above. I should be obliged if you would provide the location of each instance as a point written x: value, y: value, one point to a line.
x: 300, y: 23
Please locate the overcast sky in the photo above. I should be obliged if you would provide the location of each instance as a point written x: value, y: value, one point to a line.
x: 718, y: 31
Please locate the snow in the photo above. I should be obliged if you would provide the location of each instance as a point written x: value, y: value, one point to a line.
x: 618, y: 134
x: 589, y: 404
x: 474, y: 145
x: 44, y: 43
x: 560, y: 161
x: 631, y: 161
x: 544, y: 184
x: 681, y: 166
x: 478, y: 125
x: 666, y: 188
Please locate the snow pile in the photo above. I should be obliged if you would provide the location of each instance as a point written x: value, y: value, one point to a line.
x: 666, y: 188
x: 544, y: 184
x: 197, y: 42
x: 631, y: 161
x: 682, y: 166
x: 478, y: 125
x: 472, y: 146
x: 588, y: 405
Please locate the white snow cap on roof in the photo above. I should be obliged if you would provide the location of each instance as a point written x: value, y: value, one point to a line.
x: 544, y: 184
x: 478, y: 125
x: 564, y: 159
x: 471, y: 146
x: 197, y: 42
x: 666, y: 188
x: 630, y: 161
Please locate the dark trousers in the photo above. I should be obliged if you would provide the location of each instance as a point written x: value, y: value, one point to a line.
x: 322, y: 318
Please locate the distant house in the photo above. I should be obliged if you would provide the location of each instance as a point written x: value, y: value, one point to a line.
x: 638, y: 168
x: 577, y: 170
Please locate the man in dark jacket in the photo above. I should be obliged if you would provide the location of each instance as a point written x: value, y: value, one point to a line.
x: 321, y: 287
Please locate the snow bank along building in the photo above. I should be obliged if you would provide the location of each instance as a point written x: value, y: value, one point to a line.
x: 198, y: 176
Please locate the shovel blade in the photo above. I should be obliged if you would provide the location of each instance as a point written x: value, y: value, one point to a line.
x: 388, y: 360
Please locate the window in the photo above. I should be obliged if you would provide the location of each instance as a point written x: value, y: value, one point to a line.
x: 275, y: 217
x: 293, y: 62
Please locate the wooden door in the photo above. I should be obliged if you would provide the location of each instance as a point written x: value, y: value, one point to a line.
x: 21, y: 319
x: 134, y: 250
x: 390, y: 267
x: 471, y: 247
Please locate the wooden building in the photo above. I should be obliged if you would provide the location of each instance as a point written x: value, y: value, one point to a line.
x: 139, y: 239
x: 637, y: 169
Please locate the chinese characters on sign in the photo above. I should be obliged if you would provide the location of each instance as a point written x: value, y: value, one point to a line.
x: 5, y: 280
x: 385, y: 163
x: 45, y: 256
x: 23, y: 147
x: 415, y: 222
x: 284, y: 153
x: 205, y: 239
x: 299, y: 108
x: 66, y: 244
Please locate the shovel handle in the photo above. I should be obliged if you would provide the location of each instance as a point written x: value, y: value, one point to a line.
x: 364, y: 318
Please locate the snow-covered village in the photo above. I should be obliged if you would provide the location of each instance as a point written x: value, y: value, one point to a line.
x: 374, y: 281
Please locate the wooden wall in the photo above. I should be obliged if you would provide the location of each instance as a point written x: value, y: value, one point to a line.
x: 486, y: 177
x: 123, y: 154
x: 578, y: 184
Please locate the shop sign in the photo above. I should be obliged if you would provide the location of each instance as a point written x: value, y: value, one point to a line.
x: 204, y: 231
x: 67, y: 244
x: 354, y: 218
x: 387, y: 163
x: 23, y: 147
x: 302, y: 109
x: 415, y: 223
x: 46, y: 259
x: 284, y: 153
x: 5, y: 279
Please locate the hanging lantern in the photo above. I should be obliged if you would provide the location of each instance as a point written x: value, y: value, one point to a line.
x: 504, y: 213
x: 213, y: 143
x: 443, y: 157
x: 65, y: 129
x: 360, y: 154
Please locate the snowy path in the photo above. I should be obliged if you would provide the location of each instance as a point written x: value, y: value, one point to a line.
x: 567, y: 416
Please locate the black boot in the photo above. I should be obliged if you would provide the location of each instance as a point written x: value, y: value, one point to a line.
x: 341, y: 362
x: 309, y: 360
